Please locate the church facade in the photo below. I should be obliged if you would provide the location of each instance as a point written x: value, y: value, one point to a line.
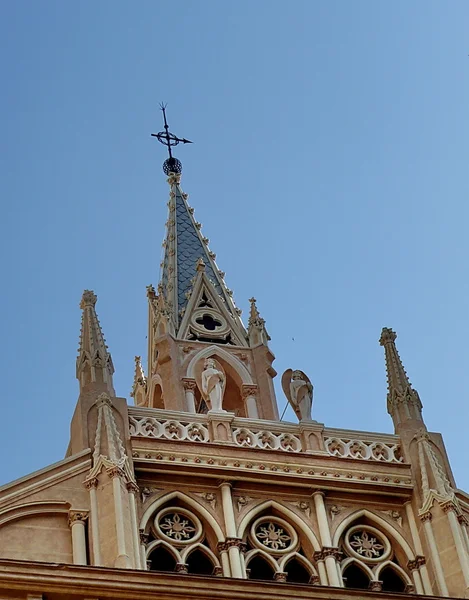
x: 199, y: 490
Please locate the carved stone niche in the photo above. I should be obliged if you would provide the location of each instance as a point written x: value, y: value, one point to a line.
x: 220, y: 427
x: 312, y: 438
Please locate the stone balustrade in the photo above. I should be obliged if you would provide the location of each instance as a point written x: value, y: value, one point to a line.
x: 304, y: 437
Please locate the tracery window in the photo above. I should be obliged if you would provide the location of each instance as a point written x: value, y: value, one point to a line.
x: 276, y: 551
x: 179, y: 541
x: 371, y: 562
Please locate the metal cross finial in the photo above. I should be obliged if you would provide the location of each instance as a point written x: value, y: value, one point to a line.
x: 172, y: 164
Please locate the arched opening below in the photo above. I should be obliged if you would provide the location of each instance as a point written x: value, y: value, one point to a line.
x: 392, y: 582
x: 297, y: 572
x: 157, y: 399
x: 355, y: 578
x: 232, y: 400
x: 162, y: 560
x: 198, y: 562
x: 259, y: 568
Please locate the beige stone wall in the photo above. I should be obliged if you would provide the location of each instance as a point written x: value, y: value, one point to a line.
x: 44, y: 538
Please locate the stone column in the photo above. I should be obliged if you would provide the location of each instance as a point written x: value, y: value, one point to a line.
x: 189, y: 392
x: 463, y: 522
x: 92, y: 484
x: 225, y: 560
x: 233, y: 543
x: 77, y: 520
x: 319, y: 558
x: 420, y: 559
x: 250, y: 400
x: 440, y: 576
x: 413, y: 567
x: 329, y: 553
x: 144, y: 539
x: 122, y: 560
x: 132, y: 489
x: 450, y: 511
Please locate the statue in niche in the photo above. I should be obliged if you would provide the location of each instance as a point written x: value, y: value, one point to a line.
x: 213, y: 381
x: 299, y: 392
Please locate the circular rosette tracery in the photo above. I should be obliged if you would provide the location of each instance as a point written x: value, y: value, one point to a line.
x: 367, y: 543
x: 273, y: 535
x: 178, y: 526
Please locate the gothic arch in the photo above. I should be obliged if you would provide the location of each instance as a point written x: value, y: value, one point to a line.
x: 392, y: 531
x: 286, y: 512
x: 257, y: 552
x: 399, y: 570
x: 361, y: 565
x: 198, y: 508
x: 302, y: 559
x: 166, y: 546
x: 154, y: 382
x: 237, y: 365
x: 202, y: 548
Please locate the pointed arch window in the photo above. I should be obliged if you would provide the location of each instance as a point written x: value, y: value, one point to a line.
x: 161, y: 559
x: 371, y: 561
x: 355, y: 577
x: 260, y: 568
x: 177, y: 540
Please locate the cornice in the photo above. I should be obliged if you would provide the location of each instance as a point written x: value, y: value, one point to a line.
x: 120, y: 584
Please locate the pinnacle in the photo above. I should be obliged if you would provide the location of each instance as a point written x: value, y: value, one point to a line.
x: 89, y: 298
x: 387, y: 336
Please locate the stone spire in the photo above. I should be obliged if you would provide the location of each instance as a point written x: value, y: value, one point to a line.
x: 403, y: 401
x: 94, y: 362
x: 256, y: 326
x: 139, y: 388
x: 187, y: 256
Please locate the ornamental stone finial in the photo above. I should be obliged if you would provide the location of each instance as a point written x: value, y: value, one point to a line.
x: 387, y: 336
x: 89, y: 298
x: 200, y: 265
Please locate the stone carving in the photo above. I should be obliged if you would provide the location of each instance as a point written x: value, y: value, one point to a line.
x: 299, y: 392
x: 266, y: 440
x: 335, y: 510
x: 177, y: 527
x: 168, y: 429
x: 272, y: 536
x: 213, y: 385
x: 366, y: 545
x: 394, y: 514
x: 363, y: 449
x: 242, y: 501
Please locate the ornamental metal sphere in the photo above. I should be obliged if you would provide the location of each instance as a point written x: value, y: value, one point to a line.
x: 172, y: 165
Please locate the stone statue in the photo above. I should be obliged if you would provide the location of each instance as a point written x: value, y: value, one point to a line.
x: 299, y: 392
x: 213, y: 385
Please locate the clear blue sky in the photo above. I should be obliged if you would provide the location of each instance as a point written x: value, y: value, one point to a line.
x: 330, y: 172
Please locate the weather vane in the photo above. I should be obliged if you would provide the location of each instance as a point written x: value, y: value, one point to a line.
x: 171, y: 164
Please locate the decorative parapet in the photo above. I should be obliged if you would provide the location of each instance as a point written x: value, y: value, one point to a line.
x: 169, y: 429
x: 266, y: 440
x: 364, y: 449
x: 265, y: 435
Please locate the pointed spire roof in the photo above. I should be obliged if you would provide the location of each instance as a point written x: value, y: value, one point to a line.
x: 400, y: 390
x: 186, y: 254
x: 256, y: 326
x: 139, y: 387
x: 94, y: 362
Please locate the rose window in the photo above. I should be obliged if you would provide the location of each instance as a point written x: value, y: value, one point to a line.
x: 273, y: 535
x: 367, y: 543
x: 178, y: 525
